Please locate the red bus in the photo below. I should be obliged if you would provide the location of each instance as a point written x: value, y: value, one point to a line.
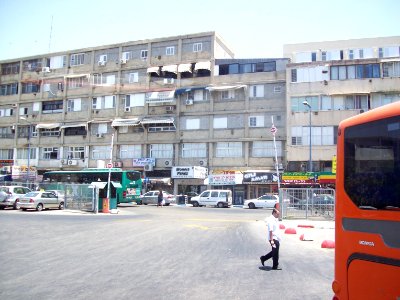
x: 367, y: 237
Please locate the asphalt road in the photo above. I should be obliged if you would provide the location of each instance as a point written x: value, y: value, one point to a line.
x: 145, y: 252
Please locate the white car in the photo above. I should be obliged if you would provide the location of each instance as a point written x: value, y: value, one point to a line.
x: 9, y: 195
x: 265, y: 201
x: 40, y: 201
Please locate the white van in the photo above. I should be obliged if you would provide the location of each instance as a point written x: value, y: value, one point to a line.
x: 219, y: 198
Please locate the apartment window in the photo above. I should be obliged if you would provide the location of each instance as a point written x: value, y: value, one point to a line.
x: 50, y: 132
x: 229, y: 149
x: 197, y: 47
x: 192, y: 124
x: 100, y: 152
x: 234, y: 69
x: 49, y: 153
x: 161, y: 150
x: 277, y: 89
x: 229, y: 94
x: 319, y: 135
x: 23, y: 131
x: 297, y: 103
x: 22, y: 153
x: 74, y: 152
x: 49, y: 107
x: 247, y: 68
x: 8, y: 112
x: 104, y: 102
x: 391, y: 69
x: 190, y: 150
x: 220, y: 123
x: 102, y: 128
x: 30, y: 87
x: 74, y: 104
x: 133, y: 77
x: 143, y: 54
x: 130, y: 151
x: 170, y: 50
x: 356, y: 102
x: 127, y: 55
x: 270, y: 66
x: 293, y: 73
x: 9, y: 89
x: 256, y: 121
x: 72, y: 131
x: 6, y: 153
x: 11, y: 68
x: 266, y: 149
x: 103, y: 58
x: 135, y: 100
x: 313, y: 56
x: 6, y: 132
x: 74, y: 83
x: 393, y: 51
x: 57, y: 62
x: 77, y: 59
x: 257, y: 91
x: 323, y: 56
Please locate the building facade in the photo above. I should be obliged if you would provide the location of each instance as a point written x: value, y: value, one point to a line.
x: 159, y: 106
x: 331, y: 81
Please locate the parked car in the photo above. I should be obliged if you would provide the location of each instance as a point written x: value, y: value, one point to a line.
x: 151, y: 197
x: 265, y: 201
x: 41, y: 200
x: 219, y: 198
x: 58, y: 193
x: 9, y: 195
x: 321, y: 201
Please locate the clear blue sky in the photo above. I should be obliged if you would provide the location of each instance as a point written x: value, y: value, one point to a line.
x: 252, y: 28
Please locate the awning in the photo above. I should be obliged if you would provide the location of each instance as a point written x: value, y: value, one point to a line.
x: 99, y: 121
x: 74, y: 125
x: 125, y: 122
x: 165, y: 96
x: 185, y: 68
x: 77, y: 75
x: 157, y: 121
x: 203, y: 65
x: 170, y: 68
x: 47, y: 126
x: 225, y: 87
x: 189, y: 89
x: 99, y: 184
x: 117, y: 185
x: 153, y: 70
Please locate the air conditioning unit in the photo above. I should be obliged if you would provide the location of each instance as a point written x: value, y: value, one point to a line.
x: 46, y: 70
x: 101, y: 62
x: 203, y: 162
x: 99, y: 135
x: 168, y: 80
x: 63, y: 161
x: 123, y: 61
x: 169, y: 108
x: 189, y: 102
x: 127, y: 109
x: 168, y: 163
x: 117, y: 164
x: 71, y: 162
x: 148, y: 167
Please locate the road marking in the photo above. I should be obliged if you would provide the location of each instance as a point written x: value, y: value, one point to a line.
x: 219, y: 220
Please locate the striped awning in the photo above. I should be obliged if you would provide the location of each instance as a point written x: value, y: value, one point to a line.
x: 47, y: 125
x: 125, y: 122
x: 74, y: 125
x: 157, y: 121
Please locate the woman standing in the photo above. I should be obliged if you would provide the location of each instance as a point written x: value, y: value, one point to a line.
x: 160, y: 198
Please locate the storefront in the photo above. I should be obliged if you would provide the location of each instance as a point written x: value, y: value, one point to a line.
x: 260, y: 182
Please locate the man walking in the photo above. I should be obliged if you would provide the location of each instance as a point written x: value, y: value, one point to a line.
x: 273, y: 238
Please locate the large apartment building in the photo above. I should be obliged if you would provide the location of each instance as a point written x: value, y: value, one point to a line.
x: 164, y: 106
x: 328, y: 82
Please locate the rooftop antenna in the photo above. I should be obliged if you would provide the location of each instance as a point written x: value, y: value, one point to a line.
x: 51, y: 30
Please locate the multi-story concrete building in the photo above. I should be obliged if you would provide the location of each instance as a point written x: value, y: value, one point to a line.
x: 336, y: 80
x: 163, y: 106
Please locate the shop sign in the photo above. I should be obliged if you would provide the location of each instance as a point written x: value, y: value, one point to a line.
x: 222, y: 179
x: 299, y: 177
x: 259, y: 177
x: 189, y: 172
x: 141, y: 162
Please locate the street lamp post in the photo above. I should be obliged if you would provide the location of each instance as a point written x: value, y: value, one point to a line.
x: 29, y: 148
x: 310, y: 157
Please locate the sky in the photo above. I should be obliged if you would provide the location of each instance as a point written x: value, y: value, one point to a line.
x: 252, y: 28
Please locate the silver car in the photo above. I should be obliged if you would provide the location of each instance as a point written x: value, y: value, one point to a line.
x: 40, y: 201
x: 9, y: 195
x: 151, y: 197
x: 265, y: 201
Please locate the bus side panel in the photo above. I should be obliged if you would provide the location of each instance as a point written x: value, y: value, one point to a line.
x: 365, y: 280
